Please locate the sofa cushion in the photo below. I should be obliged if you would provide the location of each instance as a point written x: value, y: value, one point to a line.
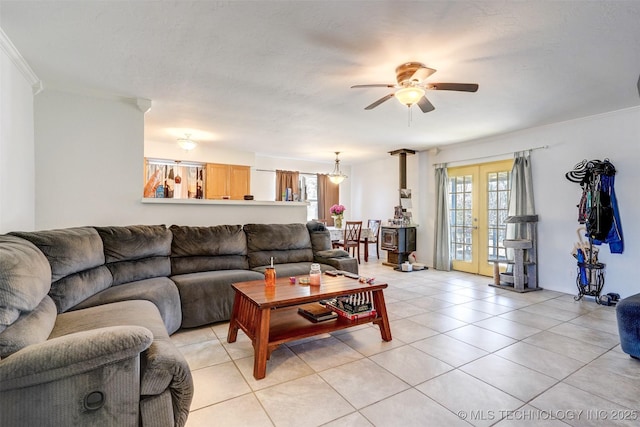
x: 31, y: 328
x: 207, y: 297
x: 135, y: 242
x: 75, y: 288
x: 136, y: 252
x: 139, y: 269
x: 122, y: 313
x: 195, y: 249
x: 320, y: 241
x: 25, y: 278
x: 159, y: 290
x: 76, y: 258
x: 68, y: 250
x: 286, y: 243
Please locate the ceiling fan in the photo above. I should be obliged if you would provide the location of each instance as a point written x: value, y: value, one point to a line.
x: 411, y: 86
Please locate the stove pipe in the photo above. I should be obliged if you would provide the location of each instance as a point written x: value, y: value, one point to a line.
x: 402, y: 155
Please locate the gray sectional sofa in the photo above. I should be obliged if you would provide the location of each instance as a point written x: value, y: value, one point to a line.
x: 86, y: 313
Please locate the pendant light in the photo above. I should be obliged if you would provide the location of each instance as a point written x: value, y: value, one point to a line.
x: 336, y: 176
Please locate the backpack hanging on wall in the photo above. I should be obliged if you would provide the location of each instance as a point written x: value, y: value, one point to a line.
x: 600, y: 217
x: 598, y: 208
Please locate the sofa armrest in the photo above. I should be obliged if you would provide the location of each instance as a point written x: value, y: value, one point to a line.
x: 85, y: 378
x: 346, y: 263
x: 71, y: 355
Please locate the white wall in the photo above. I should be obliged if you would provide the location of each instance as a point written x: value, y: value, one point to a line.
x: 17, y: 200
x: 615, y: 136
x: 375, y: 188
x: 89, y: 170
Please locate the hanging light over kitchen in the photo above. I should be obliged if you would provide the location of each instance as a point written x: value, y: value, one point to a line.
x: 337, y: 176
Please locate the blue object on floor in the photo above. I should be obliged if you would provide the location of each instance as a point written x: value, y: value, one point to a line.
x: 628, y: 314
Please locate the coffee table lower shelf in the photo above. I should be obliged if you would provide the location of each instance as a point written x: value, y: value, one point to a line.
x: 287, y: 325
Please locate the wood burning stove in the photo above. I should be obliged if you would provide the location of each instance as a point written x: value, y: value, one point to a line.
x: 399, y: 238
x: 399, y: 242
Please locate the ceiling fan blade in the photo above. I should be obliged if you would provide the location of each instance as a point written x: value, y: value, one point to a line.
x: 462, y: 87
x: 422, y: 73
x: 379, y: 101
x: 425, y: 105
x: 374, y: 85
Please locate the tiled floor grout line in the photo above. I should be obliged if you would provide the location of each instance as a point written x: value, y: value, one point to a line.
x: 473, y: 290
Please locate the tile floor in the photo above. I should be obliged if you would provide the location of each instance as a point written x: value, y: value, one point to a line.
x: 462, y: 353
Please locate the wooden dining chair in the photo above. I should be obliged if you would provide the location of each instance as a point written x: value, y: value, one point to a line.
x: 351, y: 240
x: 374, y: 235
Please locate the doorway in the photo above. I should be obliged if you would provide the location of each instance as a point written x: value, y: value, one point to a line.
x: 479, y: 198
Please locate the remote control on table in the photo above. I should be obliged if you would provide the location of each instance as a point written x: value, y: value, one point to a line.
x: 333, y: 273
x: 350, y: 275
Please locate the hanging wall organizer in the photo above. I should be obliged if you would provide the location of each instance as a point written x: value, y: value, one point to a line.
x: 598, y: 212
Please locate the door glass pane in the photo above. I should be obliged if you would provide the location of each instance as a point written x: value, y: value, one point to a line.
x: 467, y: 235
x: 468, y: 203
x: 461, y: 217
x: 493, y: 183
x: 467, y: 253
x: 498, y: 200
x: 503, y: 180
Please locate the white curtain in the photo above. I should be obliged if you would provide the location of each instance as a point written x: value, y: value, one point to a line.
x: 441, y: 253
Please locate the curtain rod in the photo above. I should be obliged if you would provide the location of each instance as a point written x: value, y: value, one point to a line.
x: 542, y: 147
x: 303, y: 173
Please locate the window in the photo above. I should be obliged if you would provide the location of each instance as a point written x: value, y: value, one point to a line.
x: 309, y: 190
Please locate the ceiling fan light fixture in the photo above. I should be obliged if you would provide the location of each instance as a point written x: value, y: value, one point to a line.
x: 337, y: 176
x: 409, y: 95
x: 187, y: 143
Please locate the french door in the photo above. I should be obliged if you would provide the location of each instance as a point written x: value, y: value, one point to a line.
x: 479, y: 197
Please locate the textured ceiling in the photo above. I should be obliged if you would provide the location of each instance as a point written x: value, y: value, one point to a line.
x: 274, y: 77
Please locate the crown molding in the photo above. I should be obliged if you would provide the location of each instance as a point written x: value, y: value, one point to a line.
x: 9, y: 48
x: 143, y: 104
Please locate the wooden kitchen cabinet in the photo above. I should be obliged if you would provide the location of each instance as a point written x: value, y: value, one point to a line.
x: 217, y: 181
x: 232, y: 181
x: 239, y: 181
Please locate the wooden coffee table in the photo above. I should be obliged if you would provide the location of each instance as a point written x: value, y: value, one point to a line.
x: 269, y: 316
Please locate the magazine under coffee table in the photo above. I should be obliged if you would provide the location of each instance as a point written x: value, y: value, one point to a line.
x: 269, y: 315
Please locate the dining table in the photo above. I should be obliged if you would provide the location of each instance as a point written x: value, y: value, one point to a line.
x: 366, y: 234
